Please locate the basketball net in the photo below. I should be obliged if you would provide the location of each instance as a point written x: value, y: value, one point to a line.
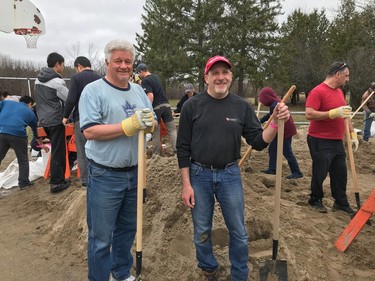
x: 31, y: 36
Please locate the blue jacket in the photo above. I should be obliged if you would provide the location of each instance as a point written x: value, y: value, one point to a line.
x: 15, y: 117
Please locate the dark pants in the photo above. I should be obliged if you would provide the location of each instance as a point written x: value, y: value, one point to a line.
x: 287, y: 152
x: 165, y: 113
x: 56, y: 134
x: 81, y: 154
x: 19, y: 145
x: 328, y: 156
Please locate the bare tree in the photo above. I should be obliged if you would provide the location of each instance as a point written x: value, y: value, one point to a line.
x: 73, y: 50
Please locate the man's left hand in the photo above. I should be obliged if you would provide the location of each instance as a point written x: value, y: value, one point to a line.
x: 355, y: 141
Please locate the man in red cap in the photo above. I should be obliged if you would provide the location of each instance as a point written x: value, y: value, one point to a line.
x: 208, y: 147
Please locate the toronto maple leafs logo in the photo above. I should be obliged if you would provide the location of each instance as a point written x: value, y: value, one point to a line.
x: 128, y: 108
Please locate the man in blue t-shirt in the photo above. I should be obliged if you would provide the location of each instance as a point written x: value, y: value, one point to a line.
x: 112, y: 110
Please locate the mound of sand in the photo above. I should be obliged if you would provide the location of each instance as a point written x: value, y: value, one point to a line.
x: 44, y: 235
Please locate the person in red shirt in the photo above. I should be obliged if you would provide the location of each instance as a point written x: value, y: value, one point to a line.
x: 326, y: 109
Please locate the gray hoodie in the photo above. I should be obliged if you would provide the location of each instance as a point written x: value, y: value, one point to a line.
x: 50, y: 94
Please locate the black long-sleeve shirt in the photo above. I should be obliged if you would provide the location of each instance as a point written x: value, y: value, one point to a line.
x: 77, y: 84
x: 210, y: 130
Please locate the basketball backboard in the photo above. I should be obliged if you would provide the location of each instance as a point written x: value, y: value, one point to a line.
x: 22, y: 17
x: 27, y: 16
x: 7, y: 16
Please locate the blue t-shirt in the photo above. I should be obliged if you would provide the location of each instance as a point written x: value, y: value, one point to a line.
x: 103, y: 103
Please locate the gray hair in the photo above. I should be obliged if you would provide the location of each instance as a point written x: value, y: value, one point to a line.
x: 118, y: 44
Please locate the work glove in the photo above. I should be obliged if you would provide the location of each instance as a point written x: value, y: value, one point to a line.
x: 340, y: 112
x: 142, y: 119
x: 372, y: 115
x: 148, y: 120
x: 354, y: 138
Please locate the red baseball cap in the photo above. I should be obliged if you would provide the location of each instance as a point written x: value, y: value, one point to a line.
x: 213, y: 60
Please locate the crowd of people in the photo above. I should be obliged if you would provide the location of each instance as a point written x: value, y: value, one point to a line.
x: 107, y: 113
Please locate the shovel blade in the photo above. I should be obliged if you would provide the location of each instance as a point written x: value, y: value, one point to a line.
x: 274, y: 270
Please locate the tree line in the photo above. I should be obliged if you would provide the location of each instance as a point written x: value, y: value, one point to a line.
x: 180, y: 35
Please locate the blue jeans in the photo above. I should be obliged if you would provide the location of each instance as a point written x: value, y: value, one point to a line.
x: 367, y: 127
x: 111, y: 220
x: 287, y: 152
x: 224, y: 185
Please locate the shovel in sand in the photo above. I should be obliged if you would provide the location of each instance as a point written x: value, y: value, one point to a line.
x: 352, y: 168
x: 276, y: 269
x: 140, y: 194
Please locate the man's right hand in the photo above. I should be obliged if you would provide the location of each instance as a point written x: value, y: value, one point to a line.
x: 372, y: 115
x: 340, y: 112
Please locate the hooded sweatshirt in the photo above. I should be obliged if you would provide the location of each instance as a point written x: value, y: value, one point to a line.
x: 50, y: 94
x: 269, y: 98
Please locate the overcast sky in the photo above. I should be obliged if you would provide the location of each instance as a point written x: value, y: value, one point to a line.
x: 97, y: 22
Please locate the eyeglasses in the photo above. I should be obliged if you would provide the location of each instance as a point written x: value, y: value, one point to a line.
x: 342, y: 67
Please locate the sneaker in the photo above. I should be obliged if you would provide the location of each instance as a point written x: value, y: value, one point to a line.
x: 56, y: 188
x: 338, y: 207
x: 26, y: 186
x: 130, y: 278
x: 294, y: 176
x: 318, y: 205
x: 269, y: 172
x: 209, y: 276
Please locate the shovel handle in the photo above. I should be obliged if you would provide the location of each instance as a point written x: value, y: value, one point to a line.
x: 258, y: 109
x: 351, y: 155
x: 363, y: 103
x: 279, y: 170
x: 140, y: 186
x: 352, y: 164
x: 245, y: 157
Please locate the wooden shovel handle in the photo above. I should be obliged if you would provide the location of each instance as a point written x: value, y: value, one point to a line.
x: 258, y: 109
x: 364, y: 102
x: 351, y: 155
x: 140, y: 186
x: 279, y: 170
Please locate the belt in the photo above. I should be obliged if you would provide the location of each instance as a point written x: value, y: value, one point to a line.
x: 213, y: 167
x: 124, y: 169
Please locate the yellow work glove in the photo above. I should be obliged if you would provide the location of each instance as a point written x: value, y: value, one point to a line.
x: 148, y: 120
x: 340, y: 112
x: 354, y: 137
x: 133, y: 123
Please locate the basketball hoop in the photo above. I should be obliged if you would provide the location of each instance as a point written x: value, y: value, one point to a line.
x: 31, y: 36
